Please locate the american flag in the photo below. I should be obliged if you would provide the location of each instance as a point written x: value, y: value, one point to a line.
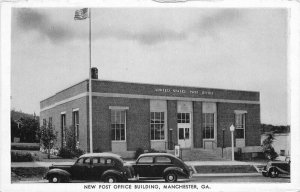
x: 81, y: 14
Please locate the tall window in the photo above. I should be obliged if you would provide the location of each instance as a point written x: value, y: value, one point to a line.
x: 50, y: 121
x: 63, y: 128
x: 44, y: 122
x: 118, y: 125
x: 240, y: 119
x: 157, y: 122
x: 183, y: 118
x: 76, y: 124
x: 208, y: 125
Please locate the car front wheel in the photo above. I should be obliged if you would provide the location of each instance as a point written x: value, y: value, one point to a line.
x: 110, y: 179
x: 55, y: 179
x: 273, y: 172
x: 171, y: 177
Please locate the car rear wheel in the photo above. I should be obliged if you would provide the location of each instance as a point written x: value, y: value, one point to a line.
x: 110, y: 179
x: 55, y: 179
x: 171, y: 177
x: 273, y: 172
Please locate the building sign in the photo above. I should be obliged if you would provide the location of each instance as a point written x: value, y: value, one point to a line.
x: 184, y: 91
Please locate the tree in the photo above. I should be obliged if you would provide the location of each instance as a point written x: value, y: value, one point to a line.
x: 14, y: 130
x: 28, y: 129
x: 48, y: 136
x: 268, y: 149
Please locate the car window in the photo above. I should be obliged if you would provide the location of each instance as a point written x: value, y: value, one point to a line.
x: 102, y: 160
x: 80, y: 161
x: 110, y: 162
x: 146, y: 160
x: 95, y: 160
x: 87, y: 161
x: 163, y: 160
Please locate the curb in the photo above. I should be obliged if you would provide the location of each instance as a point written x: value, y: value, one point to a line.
x: 225, y: 174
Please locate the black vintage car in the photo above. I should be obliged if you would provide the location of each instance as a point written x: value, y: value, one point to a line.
x: 161, y: 165
x: 107, y: 167
x: 274, y: 168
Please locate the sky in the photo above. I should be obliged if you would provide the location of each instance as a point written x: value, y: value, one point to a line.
x: 233, y: 48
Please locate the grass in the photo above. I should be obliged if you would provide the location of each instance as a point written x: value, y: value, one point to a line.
x: 225, y: 169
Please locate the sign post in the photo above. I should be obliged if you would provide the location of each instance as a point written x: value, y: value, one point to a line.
x: 232, y: 128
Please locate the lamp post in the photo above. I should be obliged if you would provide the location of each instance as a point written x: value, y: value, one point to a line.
x: 232, y: 128
x: 223, y: 132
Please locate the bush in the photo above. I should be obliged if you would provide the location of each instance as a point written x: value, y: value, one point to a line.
x: 27, y: 147
x: 267, y: 147
x: 78, y: 152
x: 138, y: 152
x: 21, y: 157
x: 68, y: 153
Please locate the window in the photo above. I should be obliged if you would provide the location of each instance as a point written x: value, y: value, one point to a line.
x: 87, y: 161
x: 76, y: 124
x: 110, y: 162
x: 208, y: 125
x: 63, y: 128
x: 118, y: 125
x: 50, y: 121
x: 44, y: 122
x: 240, y: 125
x: 157, y: 121
x: 146, y: 160
x: 95, y: 160
x: 282, y: 153
x: 163, y: 160
x: 80, y: 161
x: 183, y: 118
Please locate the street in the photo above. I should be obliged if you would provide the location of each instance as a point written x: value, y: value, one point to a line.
x: 195, y: 179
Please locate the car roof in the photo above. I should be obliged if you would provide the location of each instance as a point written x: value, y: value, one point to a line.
x: 157, y: 154
x: 106, y: 154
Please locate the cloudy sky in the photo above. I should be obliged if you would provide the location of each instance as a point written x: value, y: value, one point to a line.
x: 242, y: 49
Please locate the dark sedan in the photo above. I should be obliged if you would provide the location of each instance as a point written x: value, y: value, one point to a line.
x: 107, y: 167
x: 161, y: 165
x: 274, y: 168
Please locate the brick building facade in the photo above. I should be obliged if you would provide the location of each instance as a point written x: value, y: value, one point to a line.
x: 127, y: 116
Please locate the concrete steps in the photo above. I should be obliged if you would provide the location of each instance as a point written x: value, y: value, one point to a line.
x: 199, y: 155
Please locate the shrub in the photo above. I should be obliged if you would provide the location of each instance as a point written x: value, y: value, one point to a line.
x: 27, y: 147
x: 69, y: 153
x: 21, y: 157
x: 78, y: 152
x: 138, y: 152
x: 267, y: 147
x: 65, y: 153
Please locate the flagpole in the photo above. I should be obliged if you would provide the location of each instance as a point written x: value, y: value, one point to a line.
x: 90, y: 85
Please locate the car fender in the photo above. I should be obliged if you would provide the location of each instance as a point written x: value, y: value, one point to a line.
x: 112, y: 171
x: 60, y: 172
x: 279, y: 170
x: 178, y: 170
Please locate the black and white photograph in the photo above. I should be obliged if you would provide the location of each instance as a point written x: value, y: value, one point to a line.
x: 162, y: 97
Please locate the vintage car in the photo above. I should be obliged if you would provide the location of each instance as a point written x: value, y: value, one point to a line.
x: 161, y: 165
x: 274, y: 168
x: 107, y: 167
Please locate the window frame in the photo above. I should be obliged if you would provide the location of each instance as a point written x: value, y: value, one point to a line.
x: 138, y: 161
x: 243, y: 115
x: 204, y: 117
x: 183, y: 117
x: 162, y: 122
x: 125, y: 123
x: 63, y: 123
x: 75, y: 123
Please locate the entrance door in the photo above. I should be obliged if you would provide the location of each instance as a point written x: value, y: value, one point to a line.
x: 184, y: 129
